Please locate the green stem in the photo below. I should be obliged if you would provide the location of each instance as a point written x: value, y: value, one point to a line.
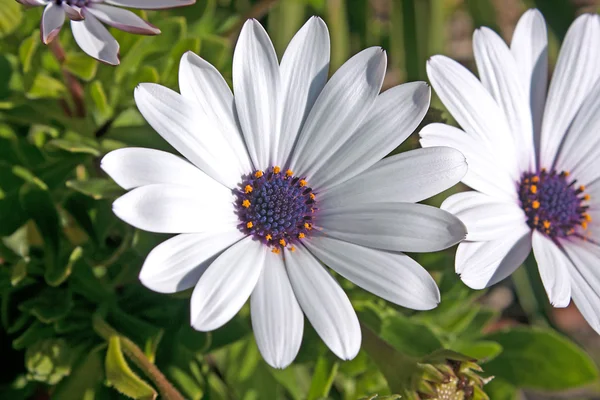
x: 136, y: 355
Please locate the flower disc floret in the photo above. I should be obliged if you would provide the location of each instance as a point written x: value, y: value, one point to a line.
x: 553, y: 203
x: 276, y: 207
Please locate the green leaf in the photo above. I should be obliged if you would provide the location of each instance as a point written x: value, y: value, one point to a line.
x: 540, y: 359
x: 46, y: 87
x: 56, y: 276
x: 10, y: 16
x: 482, y: 350
x: 99, y: 98
x: 120, y: 376
x: 27, y: 50
x: 81, y: 65
x: 409, y: 337
x: 325, y: 372
x: 49, y: 306
x: 97, y: 188
x: 499, y: 389
x: 74, y: 146
x: 86, y: 377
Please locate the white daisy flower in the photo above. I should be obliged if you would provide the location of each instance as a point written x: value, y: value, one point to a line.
x: 533, y: 160
x: 281, y: 178
x: 86, y: 17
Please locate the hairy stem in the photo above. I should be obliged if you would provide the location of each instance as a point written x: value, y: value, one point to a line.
x: 137, y: 356
x: 72, y: 83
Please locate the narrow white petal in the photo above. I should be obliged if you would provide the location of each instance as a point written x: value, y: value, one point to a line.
x: 395, y: 114
x: 500, y: 75
x: 132, y: 167
x: 202, y: 83
x: 277, y: 320
x: 324, y: 303
x: 482, y: 264
x: 72, y: 12
x: 33, y: 3
x: 122, y: 19
x: 150, y: 4
x: 585, y: 279
x: 474, y: 109
x: 226, y: 285
x: 256, y: 86
x: 343, y: 104
x: 95, y: 39
x: 178, y: 263
x: 392, y: 276
x: 187, y: 128
x: 553, y: 265
x: 408, y: 177
x: 485, y: 173
x: 176, y: 209
x: 304, y: 71
x: 53, y: 19
x: 393, y: 226
x: 574, y: 76
x: 529, y: 47
x: 580, y: 151
x: 486, y: 217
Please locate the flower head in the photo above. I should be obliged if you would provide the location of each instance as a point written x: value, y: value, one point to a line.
x: 86, y: 22
x: 533, y: 159
x: 281, y: 178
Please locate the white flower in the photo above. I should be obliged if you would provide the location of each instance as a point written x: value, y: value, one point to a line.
x: 533, y: 161
x: 86, y: 17
x: 249, y: 226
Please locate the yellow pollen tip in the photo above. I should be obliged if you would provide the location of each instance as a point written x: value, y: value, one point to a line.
x: 567, y: 173
x: 535, y: 179
x: 268, y: 237
x: 249, y: 225
x: 248, y: 189
x: 282, y: 242
x: 276, y: 170
x: 292, y: 248
x: 533, y: 189
x: 301, y: 235
x: 547, y: 224
x: 535, y: 204
x: 303, y: 183
x: 582, y: 188
x: 258, y: 174
x: 312, y: 196
x: 246, y: 203
x: 584, y: 224
x: 275, y: 250
x: 587, y: 217
x: 587, y: 197
x: 289, y: 172
x: 307, y: 226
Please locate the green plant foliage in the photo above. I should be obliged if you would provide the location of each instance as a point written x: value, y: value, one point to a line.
x: 76, y: 323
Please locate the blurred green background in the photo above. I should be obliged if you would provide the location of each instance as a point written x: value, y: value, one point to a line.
x: 75, y: 323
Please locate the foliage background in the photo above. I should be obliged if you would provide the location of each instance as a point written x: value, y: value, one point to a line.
x: 68, y: 266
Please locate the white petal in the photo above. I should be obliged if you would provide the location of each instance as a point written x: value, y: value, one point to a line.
x: 553, y: 265
x: 395, y: 114
x: 227, y: 284
x: 277, y: 320
x: 529, y: 47
x: 343, y: 104
x: 392, y: 276
x: 256, y: 86
x: 72, y: 12
x: 182, y: 123
x: 132, y: 167
x: 485, y: 173
x: 53, y: 19
x: 202, y: 83
x: 580, y: 150
x: 33, y: 3
x: 482, y: 264
x: 575, y: 73
x: 151, y: 4
x: 95, y: 39
x: 324, y: 303
x: 122, y: 19
x: 585, y: 279
x: 393, y: 226
x: 176, y: 209
x: 178, y: 263
x: 486, y: 218
x: 407, y: 177
x: 474, y: 109
x: 500, y: 75
x: 304, y: 71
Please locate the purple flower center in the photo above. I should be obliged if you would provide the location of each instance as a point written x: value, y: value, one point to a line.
x: 78, y: 3
x: 553, y: 203
x: 276, y: 207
